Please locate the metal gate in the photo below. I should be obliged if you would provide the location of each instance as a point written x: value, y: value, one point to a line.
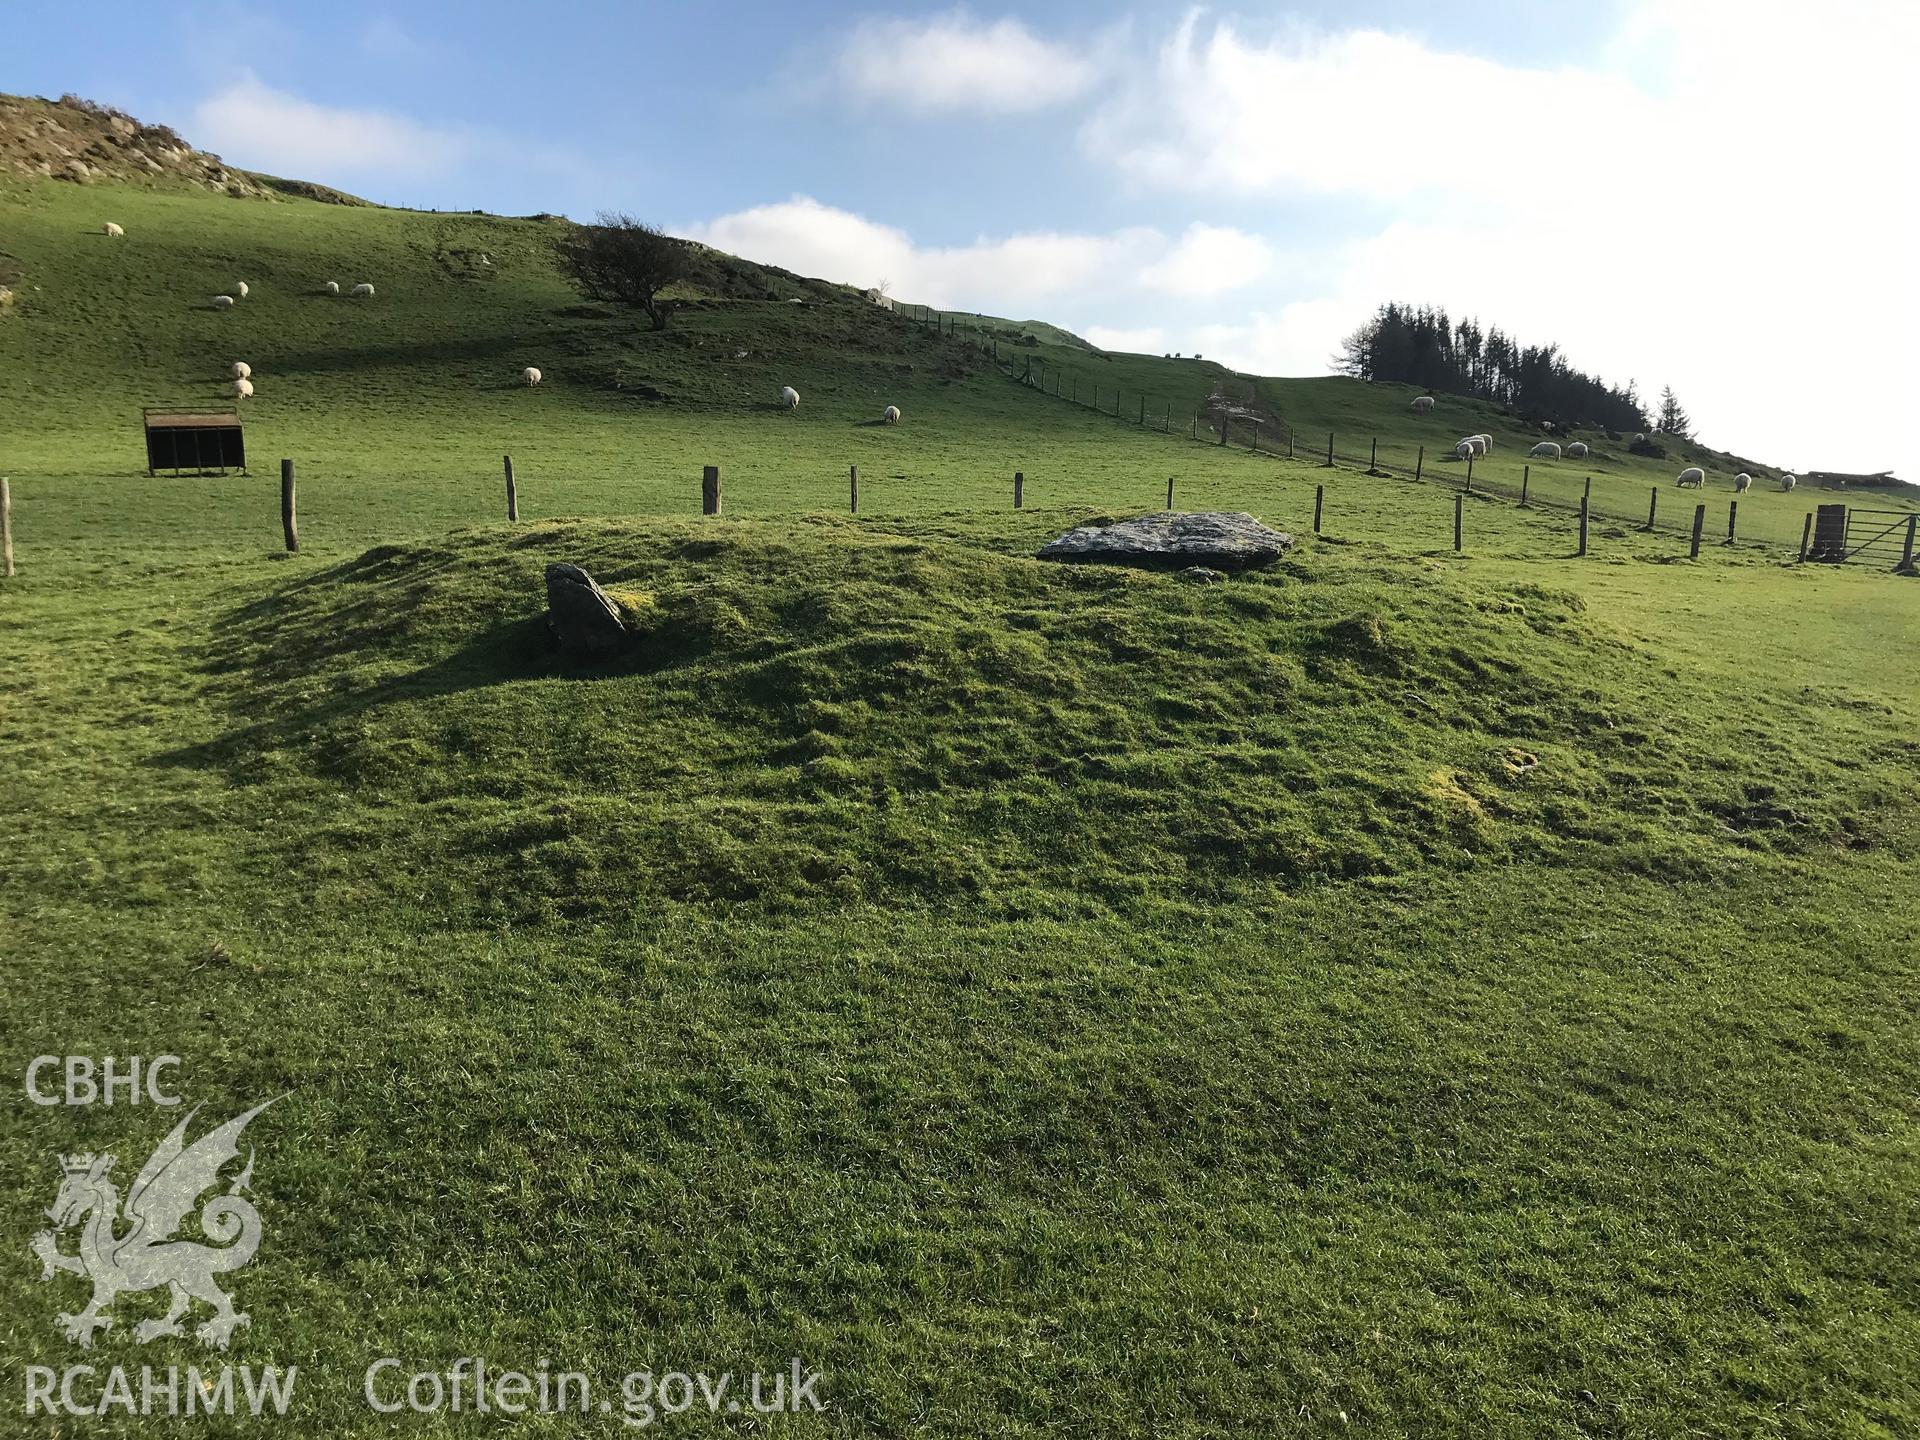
x: 1882, y: 537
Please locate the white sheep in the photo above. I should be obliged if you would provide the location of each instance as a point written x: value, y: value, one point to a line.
x: 332, y: 287
x: 530, y: 375
x: 1545, y: 450
x: 111, y: 230
x: 789, y: 397
x: 1479, y: 444
x: 1463, y: 449
x: 242, y: 370
x: 1577, y: 450
x: 1693, y: 476
x: 1423, y: 403
x: 223, y: 302
x: 1741, y: 482
x: 1486, y: 443
x: 364, y: 290
x: 1787, y: 482
x: 241, y: 290
x: 891, y: 415
x: 243, y: 389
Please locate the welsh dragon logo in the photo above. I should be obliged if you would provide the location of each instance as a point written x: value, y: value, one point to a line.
x: 132, y: 1247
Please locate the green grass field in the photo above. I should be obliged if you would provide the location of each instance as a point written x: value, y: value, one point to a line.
x: 1399, y: 993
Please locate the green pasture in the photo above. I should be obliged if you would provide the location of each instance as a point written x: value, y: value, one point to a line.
x: 1401, y: 992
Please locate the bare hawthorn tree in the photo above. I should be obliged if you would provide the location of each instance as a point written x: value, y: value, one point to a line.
x: 626, y: 261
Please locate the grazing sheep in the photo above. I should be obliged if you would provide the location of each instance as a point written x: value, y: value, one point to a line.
x: 1693, y: 476
x: 530, y: 375
x: 1787, y: 482
x: 1463, y: 449
x: 1479, y: 444
x: 241, y: 290
x: 1545, y: 450
x: 789, y: 397
x: 891, y: 415
x: 223, y: 302
x: 243, y: 389
x: 363, y: 289
x: 112, y: 230
x: 1486, y: 443
x: 242, y: 370
x: 1577, y: 450
x: 1741, y: 482
x: 1423, y: 403
x: 332, y: 287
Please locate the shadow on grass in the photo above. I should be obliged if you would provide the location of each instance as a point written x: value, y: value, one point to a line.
x: 266, y: 648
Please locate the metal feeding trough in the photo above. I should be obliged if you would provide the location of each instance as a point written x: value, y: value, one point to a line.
x: 197, y: 440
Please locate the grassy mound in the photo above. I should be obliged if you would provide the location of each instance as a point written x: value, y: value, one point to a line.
x: 818, y: 712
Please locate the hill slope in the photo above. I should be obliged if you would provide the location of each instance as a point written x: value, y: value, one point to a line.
x: 1409, y: 991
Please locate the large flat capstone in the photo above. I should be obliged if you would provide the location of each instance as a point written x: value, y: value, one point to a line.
x: 1219, y: 539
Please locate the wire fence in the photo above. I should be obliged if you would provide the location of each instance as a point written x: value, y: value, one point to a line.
x: 1547, y: 484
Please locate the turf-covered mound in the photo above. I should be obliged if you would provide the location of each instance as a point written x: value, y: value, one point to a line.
x: 821, y: 712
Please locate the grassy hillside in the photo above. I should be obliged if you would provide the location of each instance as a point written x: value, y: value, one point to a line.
x: 1402, y: 992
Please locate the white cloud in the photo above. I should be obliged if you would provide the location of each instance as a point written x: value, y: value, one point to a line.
x: 254, y: 125
x: 953, y: 63
x: 1713, y: 201
x: 1143, y: 341
x: 1210, y: 260
x: 1358, y: 110
x: 1006, y: 274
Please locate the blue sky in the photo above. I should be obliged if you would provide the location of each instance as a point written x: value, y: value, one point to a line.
x: 1694, y: 192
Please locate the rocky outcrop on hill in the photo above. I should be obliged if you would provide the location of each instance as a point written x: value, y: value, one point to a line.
x: 82, y: 143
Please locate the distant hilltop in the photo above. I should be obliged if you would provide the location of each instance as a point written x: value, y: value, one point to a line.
x: 81, y: 142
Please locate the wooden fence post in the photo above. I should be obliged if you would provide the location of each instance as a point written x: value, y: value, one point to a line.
x: 1116, y: 402
x: 1329, y: 449
x: 513, y: 495
x: 1459, y: 503
x: 1420, y: 463
x: 1076, y: 389
x: 710, y: 490
x: 1699, y: 524
x: 1019, y: 489
x: 1906, y: 553
x: 1653, y: 504
x: 1806, y: 534
x: 6, y: 529
x: 1587, y: 492
x: 853, y: 489
x: 1526, y: 477
x: 1373, y: 457
x: 1289, y: 444
x: 1583, y: 524
x: 1143, y: 412
x: 1319, y: 496
x: 1166, y: 420
x: 1224, y: 424
x: 288, y: 521
x: 1096, y: 394
x: 1169, y: 492
x: 1733, y: 510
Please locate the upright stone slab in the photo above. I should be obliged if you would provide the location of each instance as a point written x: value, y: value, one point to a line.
x: 579, y: 613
